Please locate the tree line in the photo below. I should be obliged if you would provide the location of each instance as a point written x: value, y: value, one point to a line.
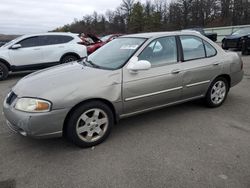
x: 161, y: 15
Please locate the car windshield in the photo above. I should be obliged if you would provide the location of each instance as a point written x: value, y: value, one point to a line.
x: 105, y: 38
x: 244, y: 31
x: 114, y: 54
x: 12, y: 42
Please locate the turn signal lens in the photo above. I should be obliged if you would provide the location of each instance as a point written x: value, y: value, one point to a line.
x: 33, y: 105
x: 41, y: 106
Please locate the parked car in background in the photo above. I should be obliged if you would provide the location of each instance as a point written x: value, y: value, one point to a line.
x: 89, y: 39
x: 104, y: 40
x: 246, y: 45
x: 130, y: 75
x: 235, y: 39
x: 211, y: 36
x: 38, y: 51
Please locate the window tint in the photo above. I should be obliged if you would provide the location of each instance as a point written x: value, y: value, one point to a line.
x: 29, y: 42
x: 160, y: 51
x: 193, y: 47
x: 209, y: 49
x: 54, y: 39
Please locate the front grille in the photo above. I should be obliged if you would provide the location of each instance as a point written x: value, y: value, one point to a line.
x: 10, y: 99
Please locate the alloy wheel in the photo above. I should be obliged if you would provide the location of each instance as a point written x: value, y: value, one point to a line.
x: 218, y: 92
x: 92, y: 125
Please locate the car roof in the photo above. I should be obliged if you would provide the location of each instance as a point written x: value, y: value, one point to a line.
x: 161, y: 34
x: 51, y: 33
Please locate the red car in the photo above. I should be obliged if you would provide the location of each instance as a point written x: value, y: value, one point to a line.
x: 100, y: 42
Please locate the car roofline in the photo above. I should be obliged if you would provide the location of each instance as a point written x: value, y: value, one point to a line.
x: 50, y: 33
x: 161, y: 34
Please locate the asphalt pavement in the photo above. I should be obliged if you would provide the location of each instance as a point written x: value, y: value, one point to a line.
x: 187, y: 145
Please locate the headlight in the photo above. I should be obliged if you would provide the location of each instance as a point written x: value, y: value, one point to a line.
x: 32, y: 105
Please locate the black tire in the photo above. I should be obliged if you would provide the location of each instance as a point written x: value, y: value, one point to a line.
x: 68, y: 58
x: 4, y: 71
x: 209, y: 96
x: 73, y: 123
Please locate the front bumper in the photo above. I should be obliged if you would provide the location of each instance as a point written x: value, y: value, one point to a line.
x: 39, y: 125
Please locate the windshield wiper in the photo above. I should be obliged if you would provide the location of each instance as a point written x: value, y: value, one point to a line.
x: 85, y: 60
x: 92, y: 64
x: 82, y: 60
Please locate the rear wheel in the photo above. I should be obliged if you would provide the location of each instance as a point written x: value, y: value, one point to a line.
x: 4, y: 71
x: 90, y: 124
x: 68, y: 58
x: 217, y: 92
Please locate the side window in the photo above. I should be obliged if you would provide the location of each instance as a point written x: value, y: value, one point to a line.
x: 193, y: 47
x: 55, y: 39
x: 210, y: 49
x: 30, y: 42
x: 160, y: 51
x: 156, y: 45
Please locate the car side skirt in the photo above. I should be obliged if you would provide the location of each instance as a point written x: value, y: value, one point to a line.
x: 15, y: 68
x: 161, y: 106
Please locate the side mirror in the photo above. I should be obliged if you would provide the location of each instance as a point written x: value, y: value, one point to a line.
x: 16, y: 46
x: 137, y: 65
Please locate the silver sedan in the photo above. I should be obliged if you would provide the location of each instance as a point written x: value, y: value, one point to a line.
x: 130, y: 75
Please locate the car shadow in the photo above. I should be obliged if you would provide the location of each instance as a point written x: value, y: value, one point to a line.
x: 130, y: 124
x: 162, y: 114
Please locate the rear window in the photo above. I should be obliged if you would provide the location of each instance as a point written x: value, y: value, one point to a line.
x: 193, y: 47
x: 210, y: 50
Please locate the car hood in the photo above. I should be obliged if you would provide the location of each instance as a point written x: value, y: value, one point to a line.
x: 234, y: 36
x: 65, y: 81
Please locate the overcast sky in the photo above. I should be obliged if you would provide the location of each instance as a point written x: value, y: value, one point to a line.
x: 32, y: 16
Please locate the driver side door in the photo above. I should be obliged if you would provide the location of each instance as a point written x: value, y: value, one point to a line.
x: 158, y: 86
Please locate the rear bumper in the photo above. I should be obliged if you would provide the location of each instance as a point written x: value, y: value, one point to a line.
x: 236, y: 77
x: 232, y: 43
x: 38, y: 125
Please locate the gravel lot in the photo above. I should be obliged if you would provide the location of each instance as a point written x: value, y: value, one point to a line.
x: 187, y: 145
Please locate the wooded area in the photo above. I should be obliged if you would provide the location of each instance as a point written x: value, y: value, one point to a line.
x: 159, y: 15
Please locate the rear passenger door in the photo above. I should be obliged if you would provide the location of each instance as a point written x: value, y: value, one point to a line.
x: 200, y: 65
x: 54, y: 46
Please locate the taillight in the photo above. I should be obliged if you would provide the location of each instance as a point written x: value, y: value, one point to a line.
x: 82, y: 43
x: 241, y: 65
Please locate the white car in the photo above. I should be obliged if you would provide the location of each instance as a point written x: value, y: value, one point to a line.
x: 31, y: 52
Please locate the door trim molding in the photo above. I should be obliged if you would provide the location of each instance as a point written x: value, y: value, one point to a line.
x: 152, y: 94
x: 159, y: 107
x: 198, y: 83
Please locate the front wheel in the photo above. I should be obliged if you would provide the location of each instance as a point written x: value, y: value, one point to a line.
x: 217, y: 92
x: 90, y: 124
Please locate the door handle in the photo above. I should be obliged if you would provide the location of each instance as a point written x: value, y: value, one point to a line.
x: 176, y: 71
x: 37, y: 49
x: 216, y: 63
